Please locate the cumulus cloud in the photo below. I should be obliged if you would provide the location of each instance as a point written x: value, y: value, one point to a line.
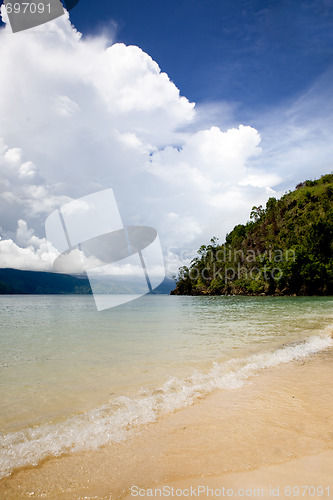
x: 23, y: 191
x: 208, y: 159
x: 33, y: 254
x: 78, y: 116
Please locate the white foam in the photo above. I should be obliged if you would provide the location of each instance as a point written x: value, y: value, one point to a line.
x: 115, y: 421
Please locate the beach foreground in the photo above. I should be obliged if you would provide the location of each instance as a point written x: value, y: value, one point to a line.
x: 274, y: 432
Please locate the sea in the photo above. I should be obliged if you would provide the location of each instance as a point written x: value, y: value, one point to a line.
x: 74, y: 379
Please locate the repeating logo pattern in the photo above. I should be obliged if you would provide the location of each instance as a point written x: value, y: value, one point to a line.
x: 122, y: 263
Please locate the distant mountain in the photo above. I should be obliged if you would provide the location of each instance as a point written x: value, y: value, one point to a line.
x: 286, y: 248
x: 14, y: 281
x: 165, y: 287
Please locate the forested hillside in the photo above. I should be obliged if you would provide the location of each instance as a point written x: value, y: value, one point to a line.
x: 285, y: 248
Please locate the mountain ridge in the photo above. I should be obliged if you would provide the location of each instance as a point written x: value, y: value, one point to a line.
x: 24, y: 282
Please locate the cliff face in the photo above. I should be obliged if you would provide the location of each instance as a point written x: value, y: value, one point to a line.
x: 286, y: 248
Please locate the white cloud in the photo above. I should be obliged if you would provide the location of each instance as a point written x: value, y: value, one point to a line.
x: 33, y: 254
x: 12, y: 256
x: 13, y: 156
x: 27, y: 170
x: 75, y: 262
x: 23, y: 191
x: 23, y: 234
x: 77, y: 116
x: 208, y: 159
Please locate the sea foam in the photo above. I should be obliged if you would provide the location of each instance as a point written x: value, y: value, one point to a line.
x: 115, y: 421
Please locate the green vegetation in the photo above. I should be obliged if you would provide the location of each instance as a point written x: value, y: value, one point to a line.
x: 285, y: 248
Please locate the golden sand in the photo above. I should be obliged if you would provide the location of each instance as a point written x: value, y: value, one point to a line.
x: 275, y: 432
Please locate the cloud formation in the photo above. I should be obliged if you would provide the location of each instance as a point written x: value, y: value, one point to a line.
x: 78, y: 116
x: 29, y: 251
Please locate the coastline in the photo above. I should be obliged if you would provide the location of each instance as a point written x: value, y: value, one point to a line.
x: 273, y: 425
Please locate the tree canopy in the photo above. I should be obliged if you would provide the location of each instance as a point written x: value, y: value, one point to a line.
x: 285, y: 248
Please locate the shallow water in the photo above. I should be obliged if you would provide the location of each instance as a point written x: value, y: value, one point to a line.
x: 72, y: 378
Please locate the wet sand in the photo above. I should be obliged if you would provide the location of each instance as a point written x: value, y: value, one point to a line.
x: 307, y: 477
x: 276, y: 431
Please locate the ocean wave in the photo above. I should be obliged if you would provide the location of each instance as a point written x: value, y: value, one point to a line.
x: 115, y: 421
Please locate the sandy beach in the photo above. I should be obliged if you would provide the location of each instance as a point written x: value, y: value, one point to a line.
x: 273, y: 433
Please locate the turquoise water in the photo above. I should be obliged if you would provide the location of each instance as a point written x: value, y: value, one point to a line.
x: 73, y: 378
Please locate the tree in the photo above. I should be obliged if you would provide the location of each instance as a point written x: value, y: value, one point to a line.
x: 257, y: 213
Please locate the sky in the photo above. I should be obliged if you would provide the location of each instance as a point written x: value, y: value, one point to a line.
x: 192, y: 112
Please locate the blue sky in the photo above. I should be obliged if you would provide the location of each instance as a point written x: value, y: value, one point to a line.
x: 254, y: 53
x: 191, y: 111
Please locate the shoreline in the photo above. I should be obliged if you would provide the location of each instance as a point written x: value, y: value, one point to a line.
x: 278, y: 417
